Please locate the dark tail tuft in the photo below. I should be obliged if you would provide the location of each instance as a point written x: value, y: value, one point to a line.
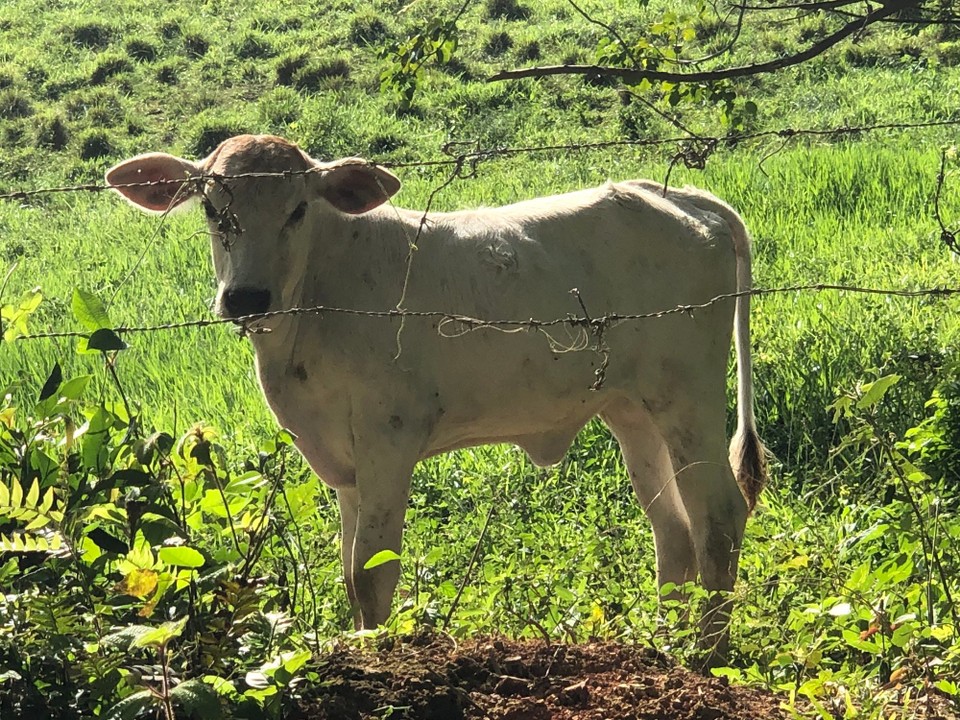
x: 748, y: 458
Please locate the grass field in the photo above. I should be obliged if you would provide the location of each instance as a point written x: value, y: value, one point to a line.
x: 84, y: 84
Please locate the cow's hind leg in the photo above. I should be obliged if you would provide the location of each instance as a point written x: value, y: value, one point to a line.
x: 651, y: 473
x: 694, y: 430
x: 348, y: 500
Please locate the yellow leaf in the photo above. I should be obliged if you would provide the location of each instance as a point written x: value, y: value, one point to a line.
x: 33, y: 495
x: 596, y: 613
x: 795, y: 563
x: 139, y: 582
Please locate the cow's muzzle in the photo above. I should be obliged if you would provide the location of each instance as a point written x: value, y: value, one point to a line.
x: 237, y: 302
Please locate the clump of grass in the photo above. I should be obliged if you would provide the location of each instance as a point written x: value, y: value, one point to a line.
x: 15, y: 104
x: 171, y: 28
x: 36, y: 74
x: 90, y: 35
x: 278, y: 24
x: 101, y: 106
x: 366, y: 28
x: 288, y: 66
x: 279, y: 107
x: 506, y: 10
x: 254, y: 45
x: 195, y: 44
x: 529, y: 51
x: 52, y: 133
x: 8, y: 77
x: 141, y: 50
x: 168, y: 73
x: 212, y: 130
x: 383, y: 144
x: 497, y: 44
x: 322, y: 74
x: 95, y: 144
x: 107, y: 67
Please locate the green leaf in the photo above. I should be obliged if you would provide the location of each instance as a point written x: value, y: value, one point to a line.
x: 160, y: 636
x: 197, y: 699
x: 380, y: 558
x: 181, y: 556
x: 105, y: 340
x: 73, y: 388
x: 89, y: 310
x: 130, y: 706
x: 872, y: 393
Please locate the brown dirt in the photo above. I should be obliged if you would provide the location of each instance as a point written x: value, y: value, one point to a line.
x: 431, y: 678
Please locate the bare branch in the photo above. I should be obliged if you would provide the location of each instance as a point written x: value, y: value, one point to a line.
x: 812, y: 6
x: 633, y: 75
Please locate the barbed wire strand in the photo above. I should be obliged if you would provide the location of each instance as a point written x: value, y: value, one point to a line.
x: 474, y: 157
x: 470, y: 323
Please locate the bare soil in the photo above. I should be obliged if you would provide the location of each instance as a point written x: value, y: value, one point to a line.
x: 431, y: 678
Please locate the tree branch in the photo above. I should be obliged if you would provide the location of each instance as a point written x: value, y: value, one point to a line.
x: 633, y: 76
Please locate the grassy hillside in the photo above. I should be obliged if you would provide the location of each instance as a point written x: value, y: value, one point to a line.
x: 85, y: 83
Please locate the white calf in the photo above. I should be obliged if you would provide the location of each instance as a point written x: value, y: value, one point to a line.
x: 365, y: 415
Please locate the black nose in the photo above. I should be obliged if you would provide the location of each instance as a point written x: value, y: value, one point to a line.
x: 241, y: 301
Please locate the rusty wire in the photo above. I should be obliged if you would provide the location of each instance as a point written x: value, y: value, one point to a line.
x: 465, y: 162
x: 467, y: 323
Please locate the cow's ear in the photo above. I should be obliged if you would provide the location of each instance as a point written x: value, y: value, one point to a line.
x: 154, y: 182
x: 356, y: 186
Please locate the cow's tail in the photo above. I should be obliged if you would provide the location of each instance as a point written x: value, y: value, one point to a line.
x: 747, y: 453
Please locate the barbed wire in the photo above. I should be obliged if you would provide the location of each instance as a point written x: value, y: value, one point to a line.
x: 471, y: 323
x: 693, y: 152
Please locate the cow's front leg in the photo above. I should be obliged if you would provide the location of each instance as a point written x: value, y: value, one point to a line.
x: 382, y: 491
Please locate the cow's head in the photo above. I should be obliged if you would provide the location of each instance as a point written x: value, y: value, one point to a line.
x: 266, y: 202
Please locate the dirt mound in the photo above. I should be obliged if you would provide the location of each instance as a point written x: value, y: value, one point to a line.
x: 431, y: 678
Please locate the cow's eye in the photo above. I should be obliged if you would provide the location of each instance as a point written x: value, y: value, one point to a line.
x: 297, y: 215
x: 210, y: 210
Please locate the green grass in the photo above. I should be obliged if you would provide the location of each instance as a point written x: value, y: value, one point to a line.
x: 85, y: 84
